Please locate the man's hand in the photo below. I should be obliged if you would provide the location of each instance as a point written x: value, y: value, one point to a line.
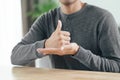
x: 59, y: 43
x: 58, y: 38
x: 70, y: 49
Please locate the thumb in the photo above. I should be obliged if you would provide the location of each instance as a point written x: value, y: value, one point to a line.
x: 59, y: 26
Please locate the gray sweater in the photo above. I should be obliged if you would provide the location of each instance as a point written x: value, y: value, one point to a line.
x: 92, y: 28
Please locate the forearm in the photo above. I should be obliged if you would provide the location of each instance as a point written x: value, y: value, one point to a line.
x: 95, y: 62
x: 24, y: 54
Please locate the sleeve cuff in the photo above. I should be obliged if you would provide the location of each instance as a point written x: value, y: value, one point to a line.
x: 82, y: 54
x: 40, y: 44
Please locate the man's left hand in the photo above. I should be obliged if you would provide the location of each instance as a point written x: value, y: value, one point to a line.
x: 70, y: 49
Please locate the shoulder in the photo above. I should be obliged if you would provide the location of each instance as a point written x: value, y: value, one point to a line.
x: 47, y: 17
x: 97, y: 11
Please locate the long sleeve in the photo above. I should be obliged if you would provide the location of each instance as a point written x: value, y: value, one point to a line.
x: 109, y: 44
x: 25, y: 51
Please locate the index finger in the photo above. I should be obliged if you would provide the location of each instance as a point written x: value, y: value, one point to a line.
x: 66, y: 33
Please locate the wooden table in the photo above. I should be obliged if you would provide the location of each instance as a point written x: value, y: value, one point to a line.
x: 29, y: 73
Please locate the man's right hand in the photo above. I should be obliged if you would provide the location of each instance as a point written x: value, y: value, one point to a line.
x: 58, y: 38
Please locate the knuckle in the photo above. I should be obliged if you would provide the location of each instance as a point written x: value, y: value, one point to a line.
x: 68, y: 33
x: 69, y: 38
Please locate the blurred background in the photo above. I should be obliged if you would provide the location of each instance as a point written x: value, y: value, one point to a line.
x: 17, y: 16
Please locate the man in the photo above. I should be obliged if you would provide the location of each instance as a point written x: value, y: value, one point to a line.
x: 76, y: 36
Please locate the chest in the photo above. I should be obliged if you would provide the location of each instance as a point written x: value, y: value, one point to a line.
x: 83, y: 32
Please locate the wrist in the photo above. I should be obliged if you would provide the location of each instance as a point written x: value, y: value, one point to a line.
x: 76, y: 49
x: 45, y: 43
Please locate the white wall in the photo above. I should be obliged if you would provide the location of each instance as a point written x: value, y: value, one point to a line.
x: 111, y: 5
x: 10, y: 28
